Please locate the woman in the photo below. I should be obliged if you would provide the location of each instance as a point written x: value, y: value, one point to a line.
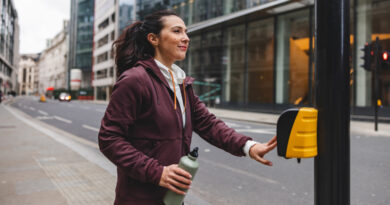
x: 153, y: 111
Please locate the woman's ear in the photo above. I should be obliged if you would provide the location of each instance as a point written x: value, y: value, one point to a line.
x: 153, y: 39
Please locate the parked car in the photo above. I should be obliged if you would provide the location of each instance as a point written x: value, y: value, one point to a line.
x: 64, y: 97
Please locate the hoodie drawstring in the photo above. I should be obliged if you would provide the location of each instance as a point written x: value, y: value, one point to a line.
x: 174, y: 91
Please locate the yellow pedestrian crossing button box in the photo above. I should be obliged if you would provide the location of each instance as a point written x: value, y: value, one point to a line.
x: 296, y: 133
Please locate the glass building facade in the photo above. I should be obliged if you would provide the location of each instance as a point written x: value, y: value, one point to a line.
x: 259, y: 54
x: 81, y: 38
x: 9, y: 45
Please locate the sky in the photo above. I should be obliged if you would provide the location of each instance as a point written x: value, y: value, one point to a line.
x: 40, y: 20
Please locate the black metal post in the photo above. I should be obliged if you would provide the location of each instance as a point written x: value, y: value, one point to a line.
x: 332, y: 165
x: 376, y: 80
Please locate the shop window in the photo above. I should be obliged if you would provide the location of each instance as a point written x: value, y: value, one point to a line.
x: 234, y: 65
x: 381, y: 29
x: 292, y: 63
x: 261, y: 61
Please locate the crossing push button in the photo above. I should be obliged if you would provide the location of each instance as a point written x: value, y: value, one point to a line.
x: 297, y: 133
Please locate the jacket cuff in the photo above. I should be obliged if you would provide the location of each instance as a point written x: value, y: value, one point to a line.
x: 248, y: 146
x: 156, y: 175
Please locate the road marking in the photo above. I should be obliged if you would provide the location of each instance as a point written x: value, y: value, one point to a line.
x: 44, y: 117
x: 91, y: 128
x: 101, y: 110
x: 43, y: 112
x: 235, y: 125
x: 260, y: 131
x: 239, y: 171
x: 31, y: 108
x: 62, y: 119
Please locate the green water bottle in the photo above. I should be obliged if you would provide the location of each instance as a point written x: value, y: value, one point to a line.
x: 189, y: 164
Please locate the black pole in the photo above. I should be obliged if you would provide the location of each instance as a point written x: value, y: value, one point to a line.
x: 376, y: 83
x: 332, y: 165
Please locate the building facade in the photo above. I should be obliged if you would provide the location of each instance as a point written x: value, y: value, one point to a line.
x: 80, y: 39
x: 259, y: 54
x: 9, y: 46
x: 111, y: 17
x: 53, y: 62
x: 28, y: 74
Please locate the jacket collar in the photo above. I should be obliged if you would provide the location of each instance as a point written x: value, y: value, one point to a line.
x: 151, y: 65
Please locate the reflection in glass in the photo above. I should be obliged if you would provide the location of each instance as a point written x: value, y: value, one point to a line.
x: 292, y: 69
x: 234, y: 65
x: 381, y: 29
x: 261, y: 61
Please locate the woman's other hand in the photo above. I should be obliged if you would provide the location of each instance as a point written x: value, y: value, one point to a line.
x: 258, y: 151
x: 173, y: 177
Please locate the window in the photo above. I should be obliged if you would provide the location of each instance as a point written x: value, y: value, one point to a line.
x: 111, y: 72
x: 112, y: 35
x: 292, y: 66
x: 103, y: 41
x: 103, y: 24
x: 101, y: 74
x: 261, y: 61
x: 102, y: 57
x: 234, y: 62
x: 24, y: 75
x: 113, y: 17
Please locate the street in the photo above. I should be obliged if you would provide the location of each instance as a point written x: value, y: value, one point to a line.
x: 225, y: 179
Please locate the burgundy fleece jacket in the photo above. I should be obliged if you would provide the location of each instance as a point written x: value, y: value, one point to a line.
x: 141, y: 132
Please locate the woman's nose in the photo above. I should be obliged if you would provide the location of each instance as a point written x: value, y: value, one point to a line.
x: 186, y: 38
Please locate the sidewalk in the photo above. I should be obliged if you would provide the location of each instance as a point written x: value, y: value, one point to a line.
x: 37, y: 169
x: 40, y: 164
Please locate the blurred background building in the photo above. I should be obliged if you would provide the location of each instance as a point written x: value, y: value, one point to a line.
x: 28, y: 77
x: 53, y: 61
x: 244, y: 54
x: 111, y: 17
x: 81, y: 40
x: 259, y: 54
x: 9, y: 46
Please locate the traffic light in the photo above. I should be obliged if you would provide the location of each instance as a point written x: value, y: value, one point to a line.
x: 385, y: 59
x: 368, y: 54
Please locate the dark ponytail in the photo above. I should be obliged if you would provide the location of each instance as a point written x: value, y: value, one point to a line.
x: 133, y: 45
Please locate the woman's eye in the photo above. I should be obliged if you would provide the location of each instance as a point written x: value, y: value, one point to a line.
x: 176, y: 31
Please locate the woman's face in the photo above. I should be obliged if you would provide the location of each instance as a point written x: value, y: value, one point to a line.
x: 172, y: 40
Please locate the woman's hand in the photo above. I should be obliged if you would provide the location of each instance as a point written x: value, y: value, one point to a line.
x: 173, y: 177
x: 258, y: 151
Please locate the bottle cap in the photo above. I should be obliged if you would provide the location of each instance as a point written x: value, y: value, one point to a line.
x: 194, y: 152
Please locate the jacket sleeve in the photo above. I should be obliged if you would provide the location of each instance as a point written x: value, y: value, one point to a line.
x: 214, y: 130
x: 121, y: 113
